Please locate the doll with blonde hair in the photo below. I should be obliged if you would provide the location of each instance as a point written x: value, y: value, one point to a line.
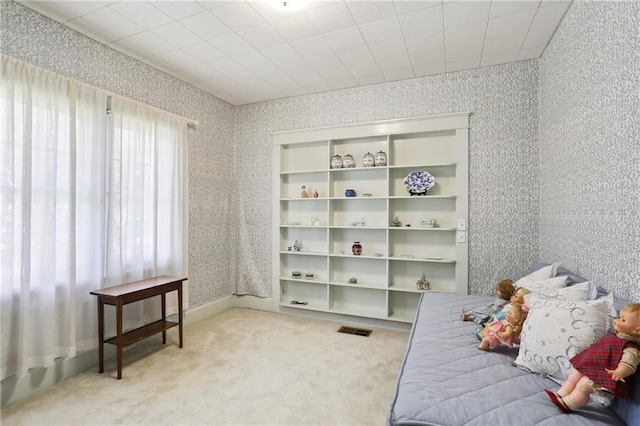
x: 606, y: 367
x: 518, y: 297
x: 482, y: 314
x: 506, y: 331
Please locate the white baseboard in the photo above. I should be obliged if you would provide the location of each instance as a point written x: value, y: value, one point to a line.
x: 14, y: 388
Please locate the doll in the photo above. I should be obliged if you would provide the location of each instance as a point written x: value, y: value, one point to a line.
x: 506, y: 331
x: 604, y: 366
x: 481, y: 315
x: 518, y: 297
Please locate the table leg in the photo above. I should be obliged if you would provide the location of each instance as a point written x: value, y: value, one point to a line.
x: 180, y: 312
x: 119, y: 336
x: 100, y: 336
x: 163, y: 297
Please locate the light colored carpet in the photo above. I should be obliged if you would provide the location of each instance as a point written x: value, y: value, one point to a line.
x: 242, y: 367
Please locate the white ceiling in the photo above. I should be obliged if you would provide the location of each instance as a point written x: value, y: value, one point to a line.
x: 251, y: 51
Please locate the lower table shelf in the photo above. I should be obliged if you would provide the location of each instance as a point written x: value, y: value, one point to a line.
x: 140, y: 333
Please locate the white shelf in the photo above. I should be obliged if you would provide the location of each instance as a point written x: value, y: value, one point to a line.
x: 386, y: 287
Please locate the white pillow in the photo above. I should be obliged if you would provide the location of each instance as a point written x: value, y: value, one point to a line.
x: 555, y: 331
x: 541, y: 274
x: 575, y: 293
x: 545, y: 286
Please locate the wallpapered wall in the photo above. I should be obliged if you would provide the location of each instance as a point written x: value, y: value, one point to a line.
x: 590, y: 145
x: 503, y: 144
x: 29, y: 36
x: 585, y: 191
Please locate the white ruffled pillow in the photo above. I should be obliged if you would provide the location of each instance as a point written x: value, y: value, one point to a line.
x: 541, y: 274
x: 575, y: 293
x: 546, y: 286
x: 556, y: 330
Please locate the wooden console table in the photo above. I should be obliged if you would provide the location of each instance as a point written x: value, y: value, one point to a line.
x: 121, y: 295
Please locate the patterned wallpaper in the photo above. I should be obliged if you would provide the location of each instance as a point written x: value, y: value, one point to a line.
x: 503, y: 144
x: 31, y: 37
x: 230, y: 152
x: 590, y: 145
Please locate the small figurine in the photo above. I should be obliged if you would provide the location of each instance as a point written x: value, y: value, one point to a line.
x: 315, y: 194
x: 353, y: 280
x: 396, y: 222
x: 305, y: 194
x: 422, y: 283
x: 297, y: 245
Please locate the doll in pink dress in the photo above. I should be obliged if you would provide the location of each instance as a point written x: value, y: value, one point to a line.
x: 506, y: 331
x: 606, y: 367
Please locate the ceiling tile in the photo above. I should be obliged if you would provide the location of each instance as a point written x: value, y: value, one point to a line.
x: 345, y: 38
x: 460, y: 53
x: 281, y: 53
x: 495, y: 46
x: 332, y: 17
x: 427, y: 58
x: 463, y: 64
x: 113, y: 22
x: 404, y: 6
x: 324, y: 62
x: 464, y: 12
x: 296, y: 68
x: 366, y: 11
x: 176, y: 35
x: 237, y: 16
x: 532, y: 53
x: 90, y: 29
x: 177, y: 59
x: 355, y: 55
x: 381, y: 30
x: 425, y: 41
x: 391, y: 54
x: 141, y: 45
x: 500, y: 58
x: 311, y: 46
x: 294, y: 27
x: 538, y: 38
x: 501, y: 8
x: 205, y: 25
x: 204, y: 52
x: 549, y: 15
x: 422, y: 21
x: 142, y: 13
x: 178, y: 9
x: 465, y: 35
x: 517, y: 23
x: 335, y: 75
x: 227, y: 66
x: 231, y: 44
x: 261, y: 36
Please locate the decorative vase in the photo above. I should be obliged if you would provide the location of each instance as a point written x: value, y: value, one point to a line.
x: 368, y: 160
x: 350, y: 193
x: 381, y: 158
x: 348, y: 162
x: 356, y: 248
x: 336, y: 162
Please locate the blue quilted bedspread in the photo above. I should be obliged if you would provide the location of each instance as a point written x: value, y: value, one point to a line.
x: 446, y: 380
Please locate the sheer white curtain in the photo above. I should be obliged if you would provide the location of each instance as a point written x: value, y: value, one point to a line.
x: 86, y: 201
x: 146, y: 232
x: 51, y: 157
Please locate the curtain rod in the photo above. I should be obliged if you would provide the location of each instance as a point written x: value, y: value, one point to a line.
x: 190, y: 123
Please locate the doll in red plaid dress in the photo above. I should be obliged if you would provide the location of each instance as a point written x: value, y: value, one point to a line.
x: 603, y: 366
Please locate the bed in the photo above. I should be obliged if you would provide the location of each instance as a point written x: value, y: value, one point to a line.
x: 446, y: 380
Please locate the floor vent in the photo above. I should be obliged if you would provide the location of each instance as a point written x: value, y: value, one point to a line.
x: 357, y: 331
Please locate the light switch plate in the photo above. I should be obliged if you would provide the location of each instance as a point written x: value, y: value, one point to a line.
x: 462, y: 225
x: 461, y: 237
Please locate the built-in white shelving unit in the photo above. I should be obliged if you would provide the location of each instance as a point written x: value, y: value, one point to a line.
x: 393, y: 258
